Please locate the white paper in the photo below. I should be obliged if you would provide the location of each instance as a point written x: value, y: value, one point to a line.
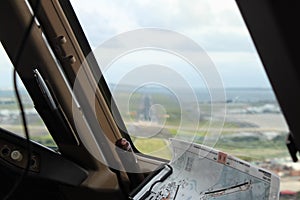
x: 203, y: 173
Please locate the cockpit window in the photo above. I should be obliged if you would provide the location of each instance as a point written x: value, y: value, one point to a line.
x: 161, y: 94
x: 10, y: 118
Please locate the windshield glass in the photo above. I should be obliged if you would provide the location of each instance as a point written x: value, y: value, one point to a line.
x: 148, y: 52
x: 10, y: 118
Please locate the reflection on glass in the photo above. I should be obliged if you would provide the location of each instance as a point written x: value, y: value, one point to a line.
x: 254, y: 128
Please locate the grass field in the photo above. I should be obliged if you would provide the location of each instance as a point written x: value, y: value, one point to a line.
x: 243, y: 147
x: 246, y: 149
x: 233, y: 139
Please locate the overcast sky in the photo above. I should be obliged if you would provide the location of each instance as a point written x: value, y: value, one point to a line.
x: 216, y: 26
